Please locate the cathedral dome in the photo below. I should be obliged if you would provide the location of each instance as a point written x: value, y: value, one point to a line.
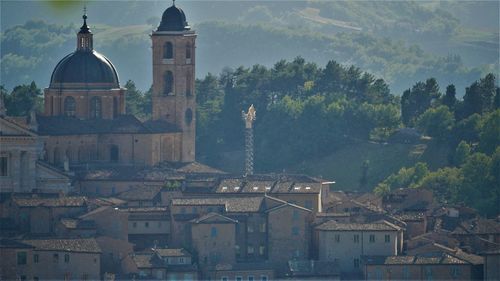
x: 85, y: 67
x: 173, y: 19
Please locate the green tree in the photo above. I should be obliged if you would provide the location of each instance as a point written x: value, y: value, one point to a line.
x: 489, y: 138
x: 436, y: 122
x: 23, y: 99
x: 418, y: 99
x: 462, y: 152
x: 450, y: 99
x: 445, y: 184
x: 477, y: 189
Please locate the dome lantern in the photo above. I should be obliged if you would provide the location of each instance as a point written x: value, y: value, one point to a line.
x: 84, y: 37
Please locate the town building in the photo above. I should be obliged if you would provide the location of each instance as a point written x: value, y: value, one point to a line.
x: 346, y: 243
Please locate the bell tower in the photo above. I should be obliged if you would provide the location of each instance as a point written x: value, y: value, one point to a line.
x: 174, y: 99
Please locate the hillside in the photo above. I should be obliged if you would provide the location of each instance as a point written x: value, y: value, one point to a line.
x: 223, y: 45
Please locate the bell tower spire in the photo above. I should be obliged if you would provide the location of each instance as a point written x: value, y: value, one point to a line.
x: 84, y: 38
x: 174, y: 98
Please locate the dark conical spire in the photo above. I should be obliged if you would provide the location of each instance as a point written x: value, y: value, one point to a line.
x: 84, y: 37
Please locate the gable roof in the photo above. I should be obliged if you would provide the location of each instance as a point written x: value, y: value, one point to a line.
x: 422, y: 259
x: 213, y: 218
x: 11, y: 123
x: 65, y: 245
x: 180, y: 252
x: 231, y: 204
x: 140, y: 193
x: 77, y: 201
x: 332, y: 225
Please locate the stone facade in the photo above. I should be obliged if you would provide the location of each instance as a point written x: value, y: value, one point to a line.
x: 288, y: 234
x: 213, y: 237
x: 346, y: 243
x: 174, y: 98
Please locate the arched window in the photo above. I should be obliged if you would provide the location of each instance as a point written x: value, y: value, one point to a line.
x: 168, y: 51
x: 188, y: 50
x: 69, y: 106
x: 113, y: 153
x: 169, y: 83
x: 188, y: 116
x: 95, y: 107
x: 188, y: 84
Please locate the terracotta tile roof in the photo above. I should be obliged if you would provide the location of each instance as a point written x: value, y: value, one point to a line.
x: 478, y: 226
x: 79, y: 201
x: 268, y: 183
x: 76, y: 223
x: 65, y: 245
x: 172, y: 252
x: 377, y: 226
x: 213, y: 217
x: 231, y: 204
x: 140, y: 193
x: 147, y: 261
x: 423, y: 259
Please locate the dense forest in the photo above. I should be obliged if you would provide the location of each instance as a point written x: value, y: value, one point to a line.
x: 305, y: 112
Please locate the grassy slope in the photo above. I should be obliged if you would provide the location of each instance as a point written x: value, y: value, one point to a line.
x: 344, y: 166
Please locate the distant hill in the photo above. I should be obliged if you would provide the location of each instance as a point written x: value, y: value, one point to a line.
x: 31, y: 51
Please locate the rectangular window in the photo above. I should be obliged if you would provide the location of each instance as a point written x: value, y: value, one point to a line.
x: 146, y: 224
x: 295, y: 215
x: 249, y: 228
x: 238, y: 251
x: 356, y: 263
x: 387, y: 238
x: 22, y: 258
x: 85, y: 276
x: 337, y: 238
x: 66, y: 258
x: 356, y: 238
x: 262, y: 227
x: 55, y: 258
x: 250, y: 250
x: 250, y: 278
x: 181, y: 260
x: 263, y: 278
x: 134, y: 224
x: 4, y: 166
x: 262, y: 250
x: 159, y: 224
x: 295, y: 230
x: 372, y: 238
x: 223, y: 279
x: 35, y: 258
x: 213, y: 232
x: 239, y: 278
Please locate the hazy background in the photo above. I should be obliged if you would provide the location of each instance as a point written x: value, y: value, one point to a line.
x: 401, y: 42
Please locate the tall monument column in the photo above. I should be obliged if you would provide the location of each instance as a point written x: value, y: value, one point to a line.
x: 174, y: 98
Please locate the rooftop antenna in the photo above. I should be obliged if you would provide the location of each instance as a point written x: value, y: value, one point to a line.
x: 249, y: 118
